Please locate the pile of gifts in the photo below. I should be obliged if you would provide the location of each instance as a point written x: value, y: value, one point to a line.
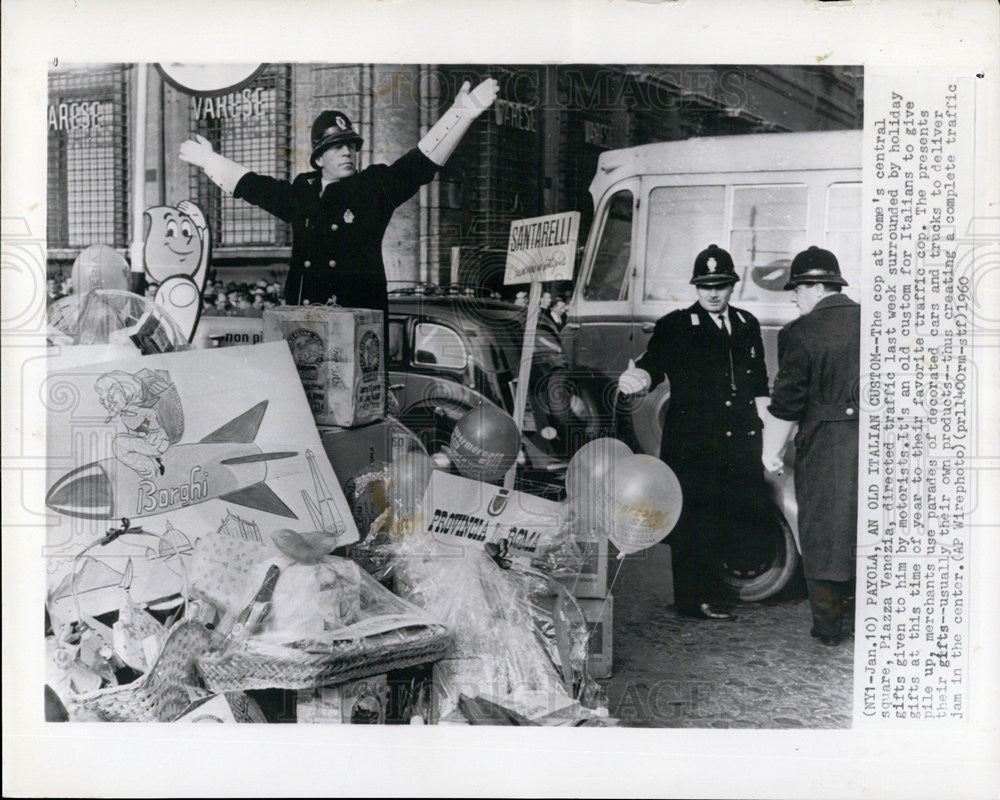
x: 255, y: 566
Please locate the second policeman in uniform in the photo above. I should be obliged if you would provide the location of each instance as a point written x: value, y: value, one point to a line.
x: 713, y: 357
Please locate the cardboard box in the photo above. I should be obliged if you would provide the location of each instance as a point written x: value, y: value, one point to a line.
x: 358, y: 455
x: 600, y: 626
x: 339, y: 355
x: 592, y: 580
x: 360, y: 702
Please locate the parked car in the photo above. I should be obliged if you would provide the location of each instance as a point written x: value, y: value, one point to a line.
x: 763, y: 197
x: 450, y: 352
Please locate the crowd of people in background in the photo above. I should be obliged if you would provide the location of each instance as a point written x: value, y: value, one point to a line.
x: 240, y: 299
x: 249, y: 299
x: 553, y: 304
x: 220, y: 299
x: 57, y: 287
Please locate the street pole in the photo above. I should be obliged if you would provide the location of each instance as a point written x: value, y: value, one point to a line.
x: 139, y: 175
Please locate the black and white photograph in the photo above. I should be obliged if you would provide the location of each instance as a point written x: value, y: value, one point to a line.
x: 636, y: 395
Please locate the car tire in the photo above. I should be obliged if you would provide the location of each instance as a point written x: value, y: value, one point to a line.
x: 567, y: 405
x: 776, y: 567
x: 432, y: 421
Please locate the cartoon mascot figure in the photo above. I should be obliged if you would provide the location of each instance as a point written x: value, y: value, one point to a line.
x: 176, y: 259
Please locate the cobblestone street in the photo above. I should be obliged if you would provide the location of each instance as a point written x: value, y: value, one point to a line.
x: 761, y: 671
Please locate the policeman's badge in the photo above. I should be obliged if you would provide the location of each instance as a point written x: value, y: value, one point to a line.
x: 341, y: 123
x: 348, y: 216
x: 711, y: 264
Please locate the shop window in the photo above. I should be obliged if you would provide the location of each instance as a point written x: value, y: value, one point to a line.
x: 88, y: 155
x: 607, y: 279
x: 843, y: 228
x: 435, y: 344
x: 253, y: 128
x: 768, y: 229
x: 683, y: 221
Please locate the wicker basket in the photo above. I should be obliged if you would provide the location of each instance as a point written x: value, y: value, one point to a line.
x: 292, y: 668
x: 159, y: 695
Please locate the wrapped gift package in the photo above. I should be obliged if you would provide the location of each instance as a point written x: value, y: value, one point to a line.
x: 599, y: 622
x: 338, y: 353
x: 359, y: 456
x: 361, y: 702
x: 592, y: 579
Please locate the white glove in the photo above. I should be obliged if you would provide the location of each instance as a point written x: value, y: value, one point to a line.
x: 196, y: 151
x: 443, y: 137
x: 474, y: 103
x: 634, y: 379
x: 776, y: 433
x: 223, y: 172
x: 773, y: 463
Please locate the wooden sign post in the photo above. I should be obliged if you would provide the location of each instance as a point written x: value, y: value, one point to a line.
x: 540, y: 249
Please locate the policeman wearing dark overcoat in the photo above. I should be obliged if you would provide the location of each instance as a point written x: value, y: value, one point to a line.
x: 337, y: 230
x: 711, y: 434
x: 817, y: 386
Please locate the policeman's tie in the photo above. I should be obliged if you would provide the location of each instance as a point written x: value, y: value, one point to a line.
x: 724, y: 326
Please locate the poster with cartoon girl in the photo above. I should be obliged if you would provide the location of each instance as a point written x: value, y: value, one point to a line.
x: 148, y: 406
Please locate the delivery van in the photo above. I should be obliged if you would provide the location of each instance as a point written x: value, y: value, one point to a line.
x: 762, y: 197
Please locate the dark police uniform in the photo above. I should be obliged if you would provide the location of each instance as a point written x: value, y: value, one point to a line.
x: 818, y: 386
x: 337, y: 235
x: 711, y: 440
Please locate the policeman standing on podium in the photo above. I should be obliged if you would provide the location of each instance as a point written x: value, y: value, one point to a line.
x: 713, y: 357
x: 338, y: 214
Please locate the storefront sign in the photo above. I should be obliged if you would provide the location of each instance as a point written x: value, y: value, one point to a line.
x: 74, y: 116
x: 519, y: 116
x: 459, y: 511
x: 597, y: 133
x: 243, y: 104
x: 209, y: 79
x: 542, y: 248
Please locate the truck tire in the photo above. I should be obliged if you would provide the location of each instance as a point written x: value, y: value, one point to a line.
x: 771, y: 567
x: 647, y: 417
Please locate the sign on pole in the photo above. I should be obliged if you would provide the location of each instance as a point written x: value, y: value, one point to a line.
x: 540, y: 249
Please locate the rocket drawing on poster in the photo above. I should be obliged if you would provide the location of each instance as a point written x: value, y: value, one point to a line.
x: 159, y: 476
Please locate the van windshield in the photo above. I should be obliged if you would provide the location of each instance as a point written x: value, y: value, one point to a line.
x: 607, y: 278
x: 762, y: 226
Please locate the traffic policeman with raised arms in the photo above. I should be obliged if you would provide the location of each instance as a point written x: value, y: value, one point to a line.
x: 338, y: 214
x: 713, y: 357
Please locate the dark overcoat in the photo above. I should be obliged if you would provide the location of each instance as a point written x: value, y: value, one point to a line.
x: 818, y: 386
x: 711, y: 440
x: 337, y: 235
x: 713, y: 383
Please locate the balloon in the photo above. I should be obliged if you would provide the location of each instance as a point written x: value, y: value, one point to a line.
x: 408, y: 477
x: 642, y: 498
x: 100, y: 267
x: 586, y: 470
x: 485, y: 443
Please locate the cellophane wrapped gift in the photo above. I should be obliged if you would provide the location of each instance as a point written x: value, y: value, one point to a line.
x: 313, y: 619
x: 505, y: 646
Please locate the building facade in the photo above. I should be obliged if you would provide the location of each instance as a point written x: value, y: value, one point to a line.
x: 533, y: 153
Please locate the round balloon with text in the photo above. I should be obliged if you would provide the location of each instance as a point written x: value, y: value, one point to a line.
x: 643, y: 502
x: 485, y: 443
